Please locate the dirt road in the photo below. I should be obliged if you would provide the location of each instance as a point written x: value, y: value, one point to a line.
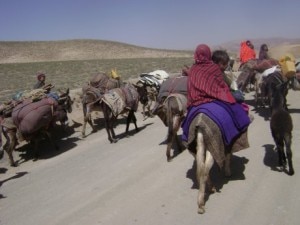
x: 90, y: 181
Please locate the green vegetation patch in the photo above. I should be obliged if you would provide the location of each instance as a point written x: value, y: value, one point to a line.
x: 74, y: 74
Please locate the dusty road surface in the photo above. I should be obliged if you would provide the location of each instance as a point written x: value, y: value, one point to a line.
x: 90, y: 181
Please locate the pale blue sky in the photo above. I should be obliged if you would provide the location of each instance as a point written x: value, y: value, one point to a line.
x: 171, y: 24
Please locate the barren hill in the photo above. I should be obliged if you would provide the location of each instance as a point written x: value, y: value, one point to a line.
x: 85, y: 49
x: 44, y: 51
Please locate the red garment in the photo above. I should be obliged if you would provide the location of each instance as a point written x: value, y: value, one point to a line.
x: 205, y: 80
x: 246, y: 53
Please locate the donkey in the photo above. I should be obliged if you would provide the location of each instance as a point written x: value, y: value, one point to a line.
x: 281, y: 125
x: 247, y: 76
x: 152, y: 86
x: 98, y: 85
x: 64, y: 107
x: 263, y: 87
x: 57, y: 111
x: 206, y: 138
x: 172, y: 112
x: 119, y: 101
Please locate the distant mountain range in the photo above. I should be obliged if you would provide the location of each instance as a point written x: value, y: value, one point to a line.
x: 277, y: 46
x: 85, y: 49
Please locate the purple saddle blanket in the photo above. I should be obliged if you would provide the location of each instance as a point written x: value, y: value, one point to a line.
x: 232, y: 119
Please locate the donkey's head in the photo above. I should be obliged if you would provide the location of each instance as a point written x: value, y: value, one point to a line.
x: 142, y: 91
x: 65, y: 101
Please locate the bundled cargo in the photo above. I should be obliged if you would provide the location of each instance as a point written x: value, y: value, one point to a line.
x: 30, y: 116
x: 287, y: 63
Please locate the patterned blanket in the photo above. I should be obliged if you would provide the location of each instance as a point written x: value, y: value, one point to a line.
x: 121, y: 99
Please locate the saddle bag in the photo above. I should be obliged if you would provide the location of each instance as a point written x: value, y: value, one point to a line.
x: 30, y: 116
x: 99, y: 80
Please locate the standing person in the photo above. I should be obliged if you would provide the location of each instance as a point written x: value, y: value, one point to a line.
x: 41, y: 79
x: 263, y: 52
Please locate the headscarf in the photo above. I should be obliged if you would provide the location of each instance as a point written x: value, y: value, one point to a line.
x: 263, y: 52
x: 40, y: 75
x: 205, y: 80
x: 246, y: 52
x: 202, y: 54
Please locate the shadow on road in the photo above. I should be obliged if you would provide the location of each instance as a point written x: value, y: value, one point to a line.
x: 132, y: 131
x: 217, y: 176
x: 61, y: 137
x: 294, y: 110
x: 18, y: 175
x: 271, y: 157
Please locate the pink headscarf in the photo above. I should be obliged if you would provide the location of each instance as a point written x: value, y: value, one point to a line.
x: 205, y: 80
x: 202, y: 54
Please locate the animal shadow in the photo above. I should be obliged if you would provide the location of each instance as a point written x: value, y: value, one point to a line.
x: 271, y: 158
x: 175, y: 148
x: 45, y: 149
x: 217, y: 176
x: 132, y: 132
x: 294, y: 110
x: 18, y: 175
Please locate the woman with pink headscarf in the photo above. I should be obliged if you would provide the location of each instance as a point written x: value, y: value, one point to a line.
x: 205, y: 80
x: 208, y: 93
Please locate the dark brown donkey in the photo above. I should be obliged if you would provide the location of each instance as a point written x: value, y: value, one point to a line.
x: 119, y: 101
x: 91, y: 94
x: 30, y: 120
x: 170, y: 107
x: 281, y: 126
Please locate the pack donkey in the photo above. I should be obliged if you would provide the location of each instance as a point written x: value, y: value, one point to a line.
x: 281, y: 125
x: 152, y: 86
x: 119, y: 101
x: 92, y: 93
x: 264, y: 83
x: 172, y: 113
x: 170, y: 107
x: 204, y: 138
x: 30, y: 121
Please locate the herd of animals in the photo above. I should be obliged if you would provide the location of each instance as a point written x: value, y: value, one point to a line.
x: 162, y: 96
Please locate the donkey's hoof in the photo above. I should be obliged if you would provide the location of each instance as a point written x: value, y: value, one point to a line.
x: 201, y: 210
x: 115, y: 140
x: 14, y: 164
x: 291, y: 172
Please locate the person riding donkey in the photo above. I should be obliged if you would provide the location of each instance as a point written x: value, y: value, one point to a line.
x: 41, y: 79
x: 207, y: 88
x: 41, y: 83
x: 215, y: 125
